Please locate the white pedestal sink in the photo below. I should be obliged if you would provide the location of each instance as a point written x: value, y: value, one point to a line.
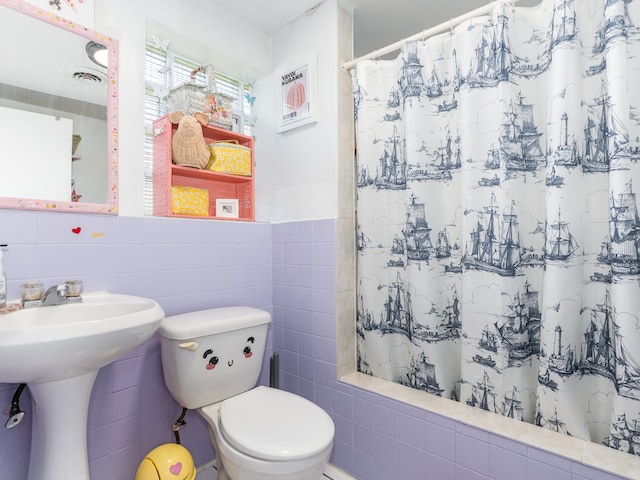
x: 57, y: 351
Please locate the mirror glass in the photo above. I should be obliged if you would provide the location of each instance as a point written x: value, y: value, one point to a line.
x: 58, y: 113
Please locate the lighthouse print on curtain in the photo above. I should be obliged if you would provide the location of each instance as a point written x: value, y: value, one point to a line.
x: 498, y: 231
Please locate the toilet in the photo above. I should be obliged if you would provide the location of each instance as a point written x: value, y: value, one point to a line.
x: 212, y: 360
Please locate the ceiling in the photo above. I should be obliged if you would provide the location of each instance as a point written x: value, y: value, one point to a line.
x: 376, y: 25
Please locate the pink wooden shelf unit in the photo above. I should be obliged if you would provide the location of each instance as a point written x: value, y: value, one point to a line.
x: 220, y: 185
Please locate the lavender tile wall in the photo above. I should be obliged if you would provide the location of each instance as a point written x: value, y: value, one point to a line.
x: 184, y: 265
x: 288, y: 269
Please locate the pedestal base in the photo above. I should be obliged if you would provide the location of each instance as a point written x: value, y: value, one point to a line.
x: 59, y: 433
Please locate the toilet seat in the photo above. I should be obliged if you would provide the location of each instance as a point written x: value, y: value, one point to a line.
x: 275, y: 425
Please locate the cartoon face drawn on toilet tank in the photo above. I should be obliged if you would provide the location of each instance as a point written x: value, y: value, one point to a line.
x: 247, y: 350
x: 213, y: 356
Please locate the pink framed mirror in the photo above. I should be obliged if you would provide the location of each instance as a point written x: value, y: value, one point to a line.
x: 58, y: 113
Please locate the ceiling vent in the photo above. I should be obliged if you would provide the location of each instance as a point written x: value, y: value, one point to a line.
x: 86, y: 75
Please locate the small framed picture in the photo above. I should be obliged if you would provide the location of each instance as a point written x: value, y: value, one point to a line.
x: 227, y: 207
x: 296, y: 94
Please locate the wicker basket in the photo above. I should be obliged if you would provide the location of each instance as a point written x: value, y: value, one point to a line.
x: 189, y: 99
x: 219, y: 110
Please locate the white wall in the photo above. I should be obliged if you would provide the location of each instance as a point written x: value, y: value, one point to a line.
x: 296, y: 170
x: 40, y: 168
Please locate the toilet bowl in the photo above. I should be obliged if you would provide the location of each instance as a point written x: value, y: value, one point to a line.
x: 269, y: 434
x: 212, y: 360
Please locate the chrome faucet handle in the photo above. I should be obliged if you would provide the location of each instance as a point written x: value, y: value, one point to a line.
x: 62, y: 290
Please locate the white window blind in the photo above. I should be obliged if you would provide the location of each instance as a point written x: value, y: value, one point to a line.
x: 155, y: 74
x: 182, y: 70
x: 155, y: 66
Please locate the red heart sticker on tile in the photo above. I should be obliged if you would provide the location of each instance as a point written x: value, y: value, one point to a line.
x: 76, y: 230
x: 176, y: 469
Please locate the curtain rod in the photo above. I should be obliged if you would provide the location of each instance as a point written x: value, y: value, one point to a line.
x: 443, y: 27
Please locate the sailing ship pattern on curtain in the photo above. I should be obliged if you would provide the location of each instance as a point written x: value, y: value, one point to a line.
x: 498, y: 232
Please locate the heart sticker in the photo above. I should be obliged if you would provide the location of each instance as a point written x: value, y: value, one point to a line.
x: 176, y: 469
x: 76, y: 230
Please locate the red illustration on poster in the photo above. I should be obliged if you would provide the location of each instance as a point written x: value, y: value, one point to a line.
x: 295, y: 98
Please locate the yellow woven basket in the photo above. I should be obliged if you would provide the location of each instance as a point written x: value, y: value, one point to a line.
x: 189, y: 200
x: 227, y: 156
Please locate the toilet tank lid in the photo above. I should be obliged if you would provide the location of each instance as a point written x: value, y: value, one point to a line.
x: 210, y: 322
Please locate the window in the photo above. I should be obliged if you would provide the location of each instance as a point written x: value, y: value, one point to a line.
x: 166, y: 70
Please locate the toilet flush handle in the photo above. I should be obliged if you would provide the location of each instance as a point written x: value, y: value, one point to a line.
x: 193, y: 346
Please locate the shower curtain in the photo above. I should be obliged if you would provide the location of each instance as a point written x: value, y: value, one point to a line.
x: 498, y: 233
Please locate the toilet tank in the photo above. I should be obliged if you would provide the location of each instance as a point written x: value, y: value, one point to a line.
x: 211, y: 355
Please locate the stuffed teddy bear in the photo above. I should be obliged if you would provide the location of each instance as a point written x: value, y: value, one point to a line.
x: 188, y: 146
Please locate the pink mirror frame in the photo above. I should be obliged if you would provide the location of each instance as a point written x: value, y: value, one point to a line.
x: 111, y: 207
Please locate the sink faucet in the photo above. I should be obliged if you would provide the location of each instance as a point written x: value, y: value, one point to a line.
x: 56, y: 295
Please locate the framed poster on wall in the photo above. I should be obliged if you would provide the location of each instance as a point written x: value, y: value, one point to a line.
x: 296, y: 94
